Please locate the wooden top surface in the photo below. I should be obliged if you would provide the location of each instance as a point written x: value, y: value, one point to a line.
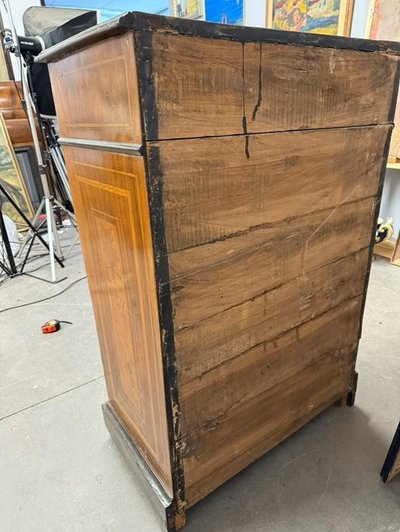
x: 154, y: 23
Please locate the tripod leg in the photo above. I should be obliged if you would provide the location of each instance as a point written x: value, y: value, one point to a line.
x: 30, y: 235
x: 6, y: 243
x: 28, y: 223
x: 51, y: 229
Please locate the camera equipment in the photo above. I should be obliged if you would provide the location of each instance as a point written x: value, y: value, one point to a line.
x: 44, y: 27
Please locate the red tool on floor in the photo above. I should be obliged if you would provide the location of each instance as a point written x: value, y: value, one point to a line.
x: 53, y: 326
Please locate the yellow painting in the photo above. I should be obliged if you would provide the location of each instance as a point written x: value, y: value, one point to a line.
x: 329, y: 17
x: 11, y: 179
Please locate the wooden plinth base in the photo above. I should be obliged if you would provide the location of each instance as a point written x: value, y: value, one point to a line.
x: 162, y: 502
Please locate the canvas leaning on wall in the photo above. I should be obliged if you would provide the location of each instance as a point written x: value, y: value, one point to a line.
x: 329, y: 17
x: 12, y: 180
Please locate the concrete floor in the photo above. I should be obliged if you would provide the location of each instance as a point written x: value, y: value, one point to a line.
x: 60, y: 471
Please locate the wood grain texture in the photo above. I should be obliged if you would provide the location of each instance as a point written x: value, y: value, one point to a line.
x: 223, y: 447
x: 10, y: 100
x: 292, y: 250
x: 216, y: 191
x: 317, y: 88
x: 216, y: 340
x: 14, y: 114
x: 206, y: 90
x: 111, y: 205
x: 239, y: 274
x: 270, y: 362
x: 19, y: 131
x: 104, y: 78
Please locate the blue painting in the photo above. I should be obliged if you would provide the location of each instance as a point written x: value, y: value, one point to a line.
x: 224, y: 11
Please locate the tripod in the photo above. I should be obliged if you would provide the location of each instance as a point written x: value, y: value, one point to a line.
x: 47, y: 202
x: 11, y: 270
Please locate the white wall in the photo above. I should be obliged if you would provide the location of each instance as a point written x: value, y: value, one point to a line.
x: 360, y: 15
x: 254, y: 13
x: 17, y: 8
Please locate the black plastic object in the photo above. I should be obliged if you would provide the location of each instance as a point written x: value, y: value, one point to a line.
x: 52, y: 25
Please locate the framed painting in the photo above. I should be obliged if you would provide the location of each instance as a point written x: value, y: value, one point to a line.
x: 383, y: 23
x: 330, y: 17
x: 224, y: 11
x: 186, y: 8
x: 12, y: 180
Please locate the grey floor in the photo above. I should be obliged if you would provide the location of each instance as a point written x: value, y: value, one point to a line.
x: 59, y: 470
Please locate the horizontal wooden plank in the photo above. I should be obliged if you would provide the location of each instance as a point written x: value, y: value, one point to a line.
x: 216, y: 191
x: 311, y: 88
x: 216, y: 393
x: 219, y: 450
x: 354, y: 218
x: 292, y: 251
x: 205, y: 87
x: 214, y: 341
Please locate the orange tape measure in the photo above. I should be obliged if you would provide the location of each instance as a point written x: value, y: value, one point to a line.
x: 52, y: 326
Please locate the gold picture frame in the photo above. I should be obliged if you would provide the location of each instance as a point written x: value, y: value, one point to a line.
x: 328, y: 17
x: 12, y: 180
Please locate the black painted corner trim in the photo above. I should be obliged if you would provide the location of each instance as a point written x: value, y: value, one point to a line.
x: 182, y: 26
x: 154, y: 183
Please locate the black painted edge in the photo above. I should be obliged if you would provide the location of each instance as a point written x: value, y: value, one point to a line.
x: 148, y: 22
x: 153, y: 171
x: 393, y: 105
x: 394, y: 450
x: 160, y: 500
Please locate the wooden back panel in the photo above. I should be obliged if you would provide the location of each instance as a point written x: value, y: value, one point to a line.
x: 209, y: 87
x: 269, y: 158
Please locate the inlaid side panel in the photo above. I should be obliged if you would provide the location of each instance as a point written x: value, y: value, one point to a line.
x: 95, y: 91
x: 209, y: 87
x: 110, y: 201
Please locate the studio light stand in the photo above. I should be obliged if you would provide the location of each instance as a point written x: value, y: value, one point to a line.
x: 47, y: 202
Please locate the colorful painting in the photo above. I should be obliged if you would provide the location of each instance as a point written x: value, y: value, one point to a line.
x: 224, y: 11
x: 11, y: 179
x: 383, y: 23
x: 186, y: 8
x: 330, y: 17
